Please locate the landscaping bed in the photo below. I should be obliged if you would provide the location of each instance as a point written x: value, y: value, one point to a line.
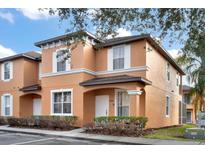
x: 118, y: 126
x: 61, y: 123
x: 171, y: 133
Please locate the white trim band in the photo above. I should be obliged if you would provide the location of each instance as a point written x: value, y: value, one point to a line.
x: 83, y: 70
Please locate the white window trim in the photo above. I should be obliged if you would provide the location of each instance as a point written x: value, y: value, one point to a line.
x: 3, y: 105
x: 51, y: 102
x: 127, y: 57
x: 54, y: 61
x: 169, y: 72
x: 169, y: 107
x: 11, y: 71
x: 116, y: 91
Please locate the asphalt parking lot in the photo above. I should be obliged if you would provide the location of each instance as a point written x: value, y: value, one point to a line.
x: 8, y: 138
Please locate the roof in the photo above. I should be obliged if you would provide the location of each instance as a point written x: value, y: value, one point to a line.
x: 186, y: 88
x: 35, y: 87
x: 149, y: 38
x: 65, y: 36
x: 29, y: 55
x: 115, y: 79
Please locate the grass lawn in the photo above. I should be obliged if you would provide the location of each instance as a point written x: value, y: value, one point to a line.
x: 174, y: 133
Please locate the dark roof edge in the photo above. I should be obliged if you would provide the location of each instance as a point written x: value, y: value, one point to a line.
x: 22, y: 55
x: 61, y: 37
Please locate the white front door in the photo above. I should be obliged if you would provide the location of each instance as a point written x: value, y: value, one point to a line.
x: 37, y: 106
x: 101, y: 105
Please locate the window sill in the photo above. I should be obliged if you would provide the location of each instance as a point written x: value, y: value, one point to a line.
x: 58, y: 114
x: 167, y: 116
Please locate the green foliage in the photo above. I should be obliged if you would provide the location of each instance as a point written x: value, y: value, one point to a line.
x: 45, y: 122
x: 3, y: 120
x: 141, y: 121
x: 172, y: 133
x: 163, y: 22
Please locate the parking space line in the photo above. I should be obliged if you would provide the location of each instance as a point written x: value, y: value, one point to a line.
x: 32, y: 141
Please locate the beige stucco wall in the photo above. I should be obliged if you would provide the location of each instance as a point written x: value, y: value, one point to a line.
x: 160, y: 88
x: 25, y: 73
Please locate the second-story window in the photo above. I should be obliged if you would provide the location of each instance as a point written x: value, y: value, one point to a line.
x: 118, y: 58
x: 61, y: 65
x: 61, y: 61
x: 6, y: 71
x: 168, y: 74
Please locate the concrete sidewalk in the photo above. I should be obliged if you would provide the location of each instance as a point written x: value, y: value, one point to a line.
x: 77, y: 134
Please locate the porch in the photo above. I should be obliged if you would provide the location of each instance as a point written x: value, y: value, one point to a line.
x: 113, y: 99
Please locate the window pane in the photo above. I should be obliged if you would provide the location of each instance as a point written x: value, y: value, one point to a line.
x: 6, y: 71
x: 7, y: 111
x: 61, y: 66
x: 123, y: 102
x: 57, y: 108
x: 66, y: 107
x: 57, y: 97
x: 67, y: 97
x: 118, y: 58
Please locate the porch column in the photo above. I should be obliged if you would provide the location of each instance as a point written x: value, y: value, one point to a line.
x: 135, y: 104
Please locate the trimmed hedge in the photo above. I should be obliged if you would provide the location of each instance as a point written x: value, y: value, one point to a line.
x: 45, y: 122
x: 3, y: 121
x: 119, y: 126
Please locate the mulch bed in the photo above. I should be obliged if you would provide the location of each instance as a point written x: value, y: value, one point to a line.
x: 120, y: 132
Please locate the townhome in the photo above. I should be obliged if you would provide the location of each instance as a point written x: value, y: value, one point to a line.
x: 124, y: 76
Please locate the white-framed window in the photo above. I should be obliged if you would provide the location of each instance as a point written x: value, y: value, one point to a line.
x: 7, y: 105
x: 167, y: 106
x: 122, y: 103
x: 168, y: 72
x: 60, y: 64
x: 119, y: 57
x: 61, y: 102
x: 7, y: 71
x: 177, y: 79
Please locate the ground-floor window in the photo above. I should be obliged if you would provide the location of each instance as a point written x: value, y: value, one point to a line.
x: 122, y: 103
x: 167, y: 109
x: 6, y: 105
x: 62, y: 102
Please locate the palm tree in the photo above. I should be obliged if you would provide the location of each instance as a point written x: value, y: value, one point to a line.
x: 192, y: 58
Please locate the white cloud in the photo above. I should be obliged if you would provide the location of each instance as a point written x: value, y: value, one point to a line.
x: 4, y: 52
x: 174, y: 52
x: 35, y: 13
x: 7, y: 16
x: 121, y: 32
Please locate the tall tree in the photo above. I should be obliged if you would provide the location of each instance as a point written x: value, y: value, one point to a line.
x: 180, y: 23
x: 193, y: 59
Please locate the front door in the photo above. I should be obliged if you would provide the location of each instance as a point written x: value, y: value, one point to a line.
x: 101, y: 105
x: 37, y: 106
x: 189, y: 117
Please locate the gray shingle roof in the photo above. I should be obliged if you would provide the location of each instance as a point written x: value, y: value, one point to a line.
x: 115, y: 79
x: 30, y: 55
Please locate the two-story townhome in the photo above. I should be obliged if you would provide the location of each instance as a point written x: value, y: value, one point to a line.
x: 125, y: 76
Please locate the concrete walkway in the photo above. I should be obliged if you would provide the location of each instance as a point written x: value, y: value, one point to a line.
x: 77, y: 134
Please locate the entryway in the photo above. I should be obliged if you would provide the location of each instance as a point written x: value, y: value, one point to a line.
x: 37, y: 106
x: 101, y: 105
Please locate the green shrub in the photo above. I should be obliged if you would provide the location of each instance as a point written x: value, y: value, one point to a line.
x: 45, y: 122
x: 3, y: 121
x: 120, y: 126
x: 140, y: 121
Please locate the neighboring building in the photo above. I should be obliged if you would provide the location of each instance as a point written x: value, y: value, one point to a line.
x: 126, y: 76
x: 187, y: 99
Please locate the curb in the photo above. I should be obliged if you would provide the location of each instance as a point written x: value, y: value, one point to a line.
x: 73, y: 137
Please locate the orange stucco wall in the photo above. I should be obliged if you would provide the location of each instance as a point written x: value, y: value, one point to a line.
x: 151, y: 103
